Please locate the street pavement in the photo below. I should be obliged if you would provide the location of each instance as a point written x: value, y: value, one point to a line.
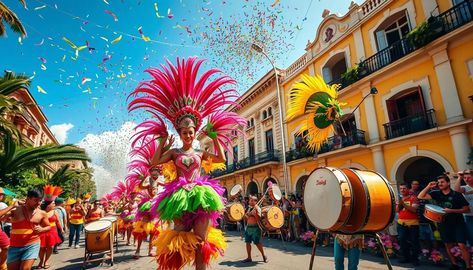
x: 290, y: 256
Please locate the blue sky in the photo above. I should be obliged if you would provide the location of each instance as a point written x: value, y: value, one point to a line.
x: 88, y: 93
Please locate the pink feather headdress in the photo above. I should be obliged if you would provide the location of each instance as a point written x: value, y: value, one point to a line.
x: 176, y: 93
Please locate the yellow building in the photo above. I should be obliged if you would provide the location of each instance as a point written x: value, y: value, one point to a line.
x: 419, y: 124
x: 255, y: 160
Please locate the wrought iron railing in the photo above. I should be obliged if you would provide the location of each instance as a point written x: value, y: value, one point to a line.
x: 410, y: 124
x: 341, y: 141
x: 260, y: 158
x: 440, y: 25
x: 295, y: 154
x: 335, y: 142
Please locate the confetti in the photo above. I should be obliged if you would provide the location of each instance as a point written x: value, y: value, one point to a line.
x: 170, y: 15
x: 85, y: 79
x: 42, y: 60
x: 40, y: 43
x: 115, y: 18
x: 145, y: 38
x: 40, y: 7
x: 157, y: 12
x: 43, y: 67
x: 117, y: 39
x: 41, y: 90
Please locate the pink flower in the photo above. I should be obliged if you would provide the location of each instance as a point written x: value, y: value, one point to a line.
x: 425, y: 252
x: 371, y: 243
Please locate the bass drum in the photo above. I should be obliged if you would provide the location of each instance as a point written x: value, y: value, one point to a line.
x: 272, y: 218
x: 98, y: 236
x: 374, y: 202
x: 234, y: 212
x: 327, y: 198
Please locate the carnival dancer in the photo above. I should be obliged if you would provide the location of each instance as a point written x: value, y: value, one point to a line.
x: 352, y: 245
x: 50, y: 238
x: 143, y: 225
x: 76, y: 222
x: 94, y: 213
x: 28, y: 222
x: 253, y: 232
x: 190, y: 201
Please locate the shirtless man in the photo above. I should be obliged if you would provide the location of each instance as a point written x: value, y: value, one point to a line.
x: 152, y: 182
x: 28, y: 221
x: 253, y: 232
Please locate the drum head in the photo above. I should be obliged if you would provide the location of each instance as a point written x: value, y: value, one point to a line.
x: 97, y: 226
x: 275, y: 217
x: 277, y: 194
x: 323, y: 198
x: 235, y: 190
x: 434, y: 208
x: 109, y: 218
x: 236, y: 211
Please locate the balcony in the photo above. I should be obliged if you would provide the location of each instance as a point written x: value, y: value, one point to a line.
x: 248, y: 162
x: 259, y: 158
x: 295, y: 154
x: 410, y: 124
x: 428, y: 31
x: 338, y: 142
x: 334, y: 143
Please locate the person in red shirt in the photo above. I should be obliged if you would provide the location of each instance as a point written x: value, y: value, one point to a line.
x: 408, y: 225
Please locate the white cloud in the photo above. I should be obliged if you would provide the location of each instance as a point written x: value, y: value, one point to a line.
x: 60, y: 131
x: 109, y: 154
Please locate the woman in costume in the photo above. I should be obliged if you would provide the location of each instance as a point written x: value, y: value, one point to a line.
x: 193, y: 202
x: 50, y: 238
x: 95, y: 212
x: 143, y: 225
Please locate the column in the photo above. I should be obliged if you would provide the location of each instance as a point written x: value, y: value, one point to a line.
x: 360, y: 49
x: 461, y: 146
x: 371, y: 117
x: 378, y: 159
x: 448, y: 88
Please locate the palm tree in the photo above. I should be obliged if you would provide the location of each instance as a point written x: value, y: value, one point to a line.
x: 15, y: 159
x: 10, y: 18
x: 9, y: 84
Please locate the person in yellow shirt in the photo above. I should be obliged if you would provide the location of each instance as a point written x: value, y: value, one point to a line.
x: 76, y: 223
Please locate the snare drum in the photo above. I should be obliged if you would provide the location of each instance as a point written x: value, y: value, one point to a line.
x: 98, y: 236
x: 327, y: 198
x: 234, y: 212
x: 272, y: 218
x: 434, y: 213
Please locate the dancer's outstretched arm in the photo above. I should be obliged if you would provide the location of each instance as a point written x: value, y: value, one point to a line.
x: 161, y: 156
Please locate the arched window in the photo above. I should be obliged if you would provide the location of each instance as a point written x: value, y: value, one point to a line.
x: 393, y: 29
x: 270, y: 112
x: 334, y: 68
x: 265, y: 115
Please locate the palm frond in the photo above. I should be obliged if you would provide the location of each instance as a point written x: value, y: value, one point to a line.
x: 10, y: 18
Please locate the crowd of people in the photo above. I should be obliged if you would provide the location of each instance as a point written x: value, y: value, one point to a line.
x: 451, y: 193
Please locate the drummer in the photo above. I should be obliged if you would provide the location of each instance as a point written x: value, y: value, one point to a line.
x: 253, y: 232
x: 95, y: 213
x: 453, y: 228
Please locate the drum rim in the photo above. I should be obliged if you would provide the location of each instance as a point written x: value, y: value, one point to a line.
x: 391, y: 192
x: 239, y: 190
x: 428, y: 206
x: 303, y: 192
x: 101, y: 230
